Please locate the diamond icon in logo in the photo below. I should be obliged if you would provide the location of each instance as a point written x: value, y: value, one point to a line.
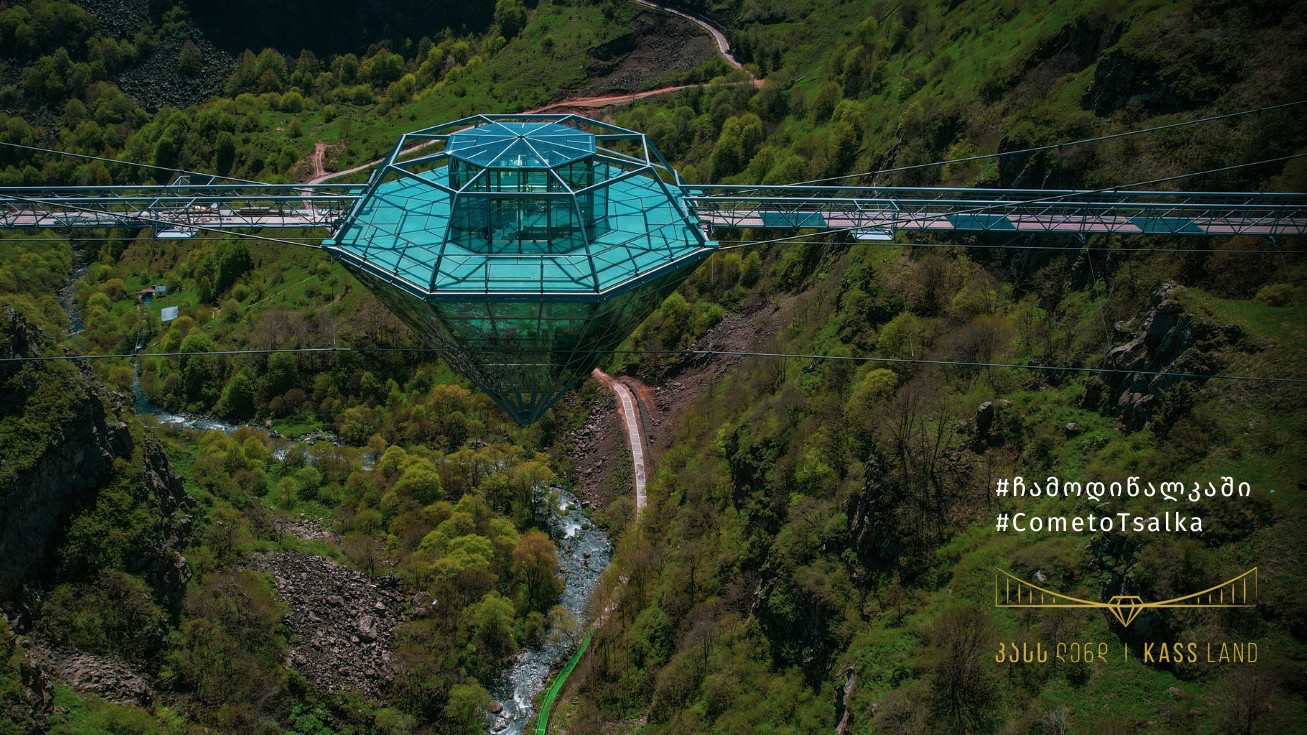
x: 1125, y: 607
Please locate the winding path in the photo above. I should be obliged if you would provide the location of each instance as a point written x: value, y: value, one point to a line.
x: 317, y: 159
x: 723, y: 45
x: 576, y: 103
x: 634, y: 433
x: 626, y: 408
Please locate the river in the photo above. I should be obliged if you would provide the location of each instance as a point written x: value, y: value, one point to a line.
x: 143, y: 407
x: 81, y: 262
x: 584, y: 552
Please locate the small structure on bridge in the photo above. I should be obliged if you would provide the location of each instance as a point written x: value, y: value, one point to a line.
x: 526, y: 247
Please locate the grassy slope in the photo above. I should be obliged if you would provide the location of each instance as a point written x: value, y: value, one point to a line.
x: 886, y: 653
x: 500, y: 83
x: 977, y: 68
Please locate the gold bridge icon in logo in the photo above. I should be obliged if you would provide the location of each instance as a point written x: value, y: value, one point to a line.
x: 1012, y: 591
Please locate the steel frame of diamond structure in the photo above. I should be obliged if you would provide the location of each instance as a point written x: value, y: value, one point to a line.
x: 526, y: 247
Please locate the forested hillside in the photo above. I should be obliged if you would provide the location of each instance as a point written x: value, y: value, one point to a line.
x: 834, y: 532
x: 819, y: 548
x: 159, y: 593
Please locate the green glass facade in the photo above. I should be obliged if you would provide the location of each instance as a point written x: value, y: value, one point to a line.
x: 526, y: 247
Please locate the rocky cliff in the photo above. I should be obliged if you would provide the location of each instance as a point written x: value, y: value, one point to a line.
x: 1167, y: 352
x: 64, y: 437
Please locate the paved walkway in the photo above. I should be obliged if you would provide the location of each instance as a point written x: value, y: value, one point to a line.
x: 630, y: 414
x: 723, y: 46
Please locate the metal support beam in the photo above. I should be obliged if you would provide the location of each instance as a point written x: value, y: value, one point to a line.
x: 872, y: 213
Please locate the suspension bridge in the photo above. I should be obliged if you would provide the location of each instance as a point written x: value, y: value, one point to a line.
x: 870, y: 213
x: 526, y: 248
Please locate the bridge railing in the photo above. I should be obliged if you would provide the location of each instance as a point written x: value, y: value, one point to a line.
x: 974, y: 194
x: 886, y: 209
x: 178, y: 206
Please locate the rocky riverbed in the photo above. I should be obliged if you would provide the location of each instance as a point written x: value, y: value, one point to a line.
x: 584, y: 553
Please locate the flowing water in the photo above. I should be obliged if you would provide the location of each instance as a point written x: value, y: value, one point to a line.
x: 583, y: 553
x: 143, y: 407
x: 81, y: 261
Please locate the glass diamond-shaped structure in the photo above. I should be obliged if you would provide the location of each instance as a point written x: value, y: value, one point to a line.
x: 526, y: 247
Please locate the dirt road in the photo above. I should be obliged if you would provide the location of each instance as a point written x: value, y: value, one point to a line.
x: 581, y: 104
x: 723, y: 46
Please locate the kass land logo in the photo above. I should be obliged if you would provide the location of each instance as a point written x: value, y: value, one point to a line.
x: 1012, y: 591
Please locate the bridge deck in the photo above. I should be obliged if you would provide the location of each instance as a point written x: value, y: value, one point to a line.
x: 180, y: 210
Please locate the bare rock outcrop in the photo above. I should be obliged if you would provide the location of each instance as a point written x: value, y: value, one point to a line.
x: 1166, y: 346
x: 109, y: 677
x: 27, y: 700
x: 61, y: 435
x: 343, y: 620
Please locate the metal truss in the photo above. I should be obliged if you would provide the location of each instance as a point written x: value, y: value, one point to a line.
x: 877, y: 213
x: 180, y: 209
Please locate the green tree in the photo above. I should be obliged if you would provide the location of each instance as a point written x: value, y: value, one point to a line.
x: 402, y: 91
x: 237, y: 401
x: 270, y: 71
x: 874, y: 388
x: 901, y: 337
x: 421, y: 482
x: 234, y: 261
x: 534, y: 564
x: 189, y: 59
x: 198, y: 372
x: 113, y: 614
x: 467, y: 708
x: 310, y: 482
x: 488, y: 628
x: 165, y: 153
x: 114, y: 533
x: 510, y: 16
x: 961, y: 685
x: 824, y: 101
x: 282, y: 373
x: 229, y: 647
x: 383, y: 68
x: 286, y: 492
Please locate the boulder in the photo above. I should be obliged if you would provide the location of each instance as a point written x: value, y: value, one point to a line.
x: 1168, y: 346
x: 367, y: 627
x: 342, y: 620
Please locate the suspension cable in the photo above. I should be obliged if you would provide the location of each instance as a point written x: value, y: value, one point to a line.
x: 1050, y: 146
x: 679, y: 353
x: 125, y: 163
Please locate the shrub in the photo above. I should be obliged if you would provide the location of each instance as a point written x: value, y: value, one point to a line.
x: 115, y: 614
x: 1276, y: 294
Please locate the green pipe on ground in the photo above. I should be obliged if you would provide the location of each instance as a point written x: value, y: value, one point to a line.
x: 542, y: 724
